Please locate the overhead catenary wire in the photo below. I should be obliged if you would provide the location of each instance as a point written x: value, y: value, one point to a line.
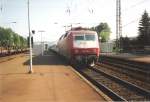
x: 68, y: 7
x: 135, y: 5
x: 133, y: 21
x: 73, y: 6
x: 90, y: 8
x: 132, y: 6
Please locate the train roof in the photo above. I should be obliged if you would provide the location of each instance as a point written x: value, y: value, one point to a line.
x: 81, y: 29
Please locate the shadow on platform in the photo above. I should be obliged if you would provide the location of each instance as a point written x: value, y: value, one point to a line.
x: 47, y: 60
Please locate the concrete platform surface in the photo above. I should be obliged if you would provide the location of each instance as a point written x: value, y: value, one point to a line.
x: 50, y: 82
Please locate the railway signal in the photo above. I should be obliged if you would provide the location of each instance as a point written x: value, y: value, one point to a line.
x: 33, y: 31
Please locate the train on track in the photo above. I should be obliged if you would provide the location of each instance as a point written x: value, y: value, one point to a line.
x: 79, y: 45
x: 7, y: 52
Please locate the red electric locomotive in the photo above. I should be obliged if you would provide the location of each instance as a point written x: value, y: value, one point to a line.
x: 79, y: 45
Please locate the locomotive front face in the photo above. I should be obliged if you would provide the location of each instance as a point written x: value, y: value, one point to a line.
x: 85, y: 43
x: 85, y: 47
x: 85, y: 40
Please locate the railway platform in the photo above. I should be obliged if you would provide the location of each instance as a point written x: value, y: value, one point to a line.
x: 52, y: 81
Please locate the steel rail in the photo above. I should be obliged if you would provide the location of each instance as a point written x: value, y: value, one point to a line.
x: 103, y: 88
x: 125, y: 83
x: 144, y: 94
x: 122, y: 65
x: 131, y: 77
x: 140, y: 69
x: 132, y: 63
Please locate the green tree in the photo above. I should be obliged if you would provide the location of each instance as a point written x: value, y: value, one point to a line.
x: 144, y: 29
x: 104, y: 35
x: 103, y: 31
x: 9, y: 36
x: 16, y: 41
x: 23, y: 42
x: 1, y: 38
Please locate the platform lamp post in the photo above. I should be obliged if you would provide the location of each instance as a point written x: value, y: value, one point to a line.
x: 30, y: 68
x: 41, y: 31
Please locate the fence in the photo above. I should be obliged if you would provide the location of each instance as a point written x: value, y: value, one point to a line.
x: 107, y: 47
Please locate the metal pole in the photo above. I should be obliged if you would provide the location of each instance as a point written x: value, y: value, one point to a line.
x: 30, y: 68
x: 118, y: 24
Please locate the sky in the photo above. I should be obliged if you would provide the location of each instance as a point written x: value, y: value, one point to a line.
x: 51, y: 16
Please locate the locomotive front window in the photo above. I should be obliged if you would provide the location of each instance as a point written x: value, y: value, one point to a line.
x: 90, y: 37
x: 79, y: 38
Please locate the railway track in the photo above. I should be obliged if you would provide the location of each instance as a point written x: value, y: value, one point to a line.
x: 116, y: 88
x: 6, y: 58
x: 137, y: 65
x: 6, y: 54
x: 122, y: 75
x: 134, y: 69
